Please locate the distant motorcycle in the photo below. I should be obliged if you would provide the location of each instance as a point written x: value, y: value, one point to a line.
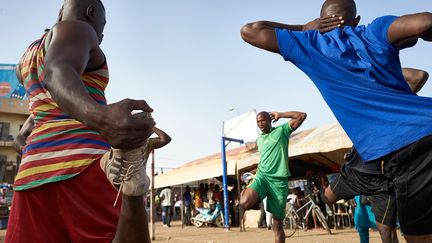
x: 207, y: 217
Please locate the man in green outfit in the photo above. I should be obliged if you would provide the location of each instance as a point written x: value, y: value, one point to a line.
x: 271, y: 179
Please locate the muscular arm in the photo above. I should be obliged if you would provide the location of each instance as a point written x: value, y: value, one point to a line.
x: 415, y: 78
x: 72, y: 47
x: 162, y: 139
x: 409, y: 28
x: 296, y: 117
x: 20, y: 140
x: 67, y: 56
x: 262, y: 34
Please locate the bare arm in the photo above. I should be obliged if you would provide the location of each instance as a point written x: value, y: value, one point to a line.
x: 262, y: 34
x: 162, y: 139
x: 72, y: 47
x: 415, y: 78
x: 20, y: 140
x: 409, y: 28
x: 296, y: 117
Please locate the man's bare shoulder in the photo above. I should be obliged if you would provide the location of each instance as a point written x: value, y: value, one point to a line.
x: 70, y: 30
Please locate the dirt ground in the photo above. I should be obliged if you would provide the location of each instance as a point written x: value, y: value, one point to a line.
x: 253, y: 235
x: 191, y: 234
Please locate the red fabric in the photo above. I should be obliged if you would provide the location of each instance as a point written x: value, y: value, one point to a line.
x: 76, y: 210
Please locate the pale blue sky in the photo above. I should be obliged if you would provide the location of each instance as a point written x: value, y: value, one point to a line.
x: 186, y: 58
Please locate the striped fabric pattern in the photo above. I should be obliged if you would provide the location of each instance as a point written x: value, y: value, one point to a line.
x: 59, y: 147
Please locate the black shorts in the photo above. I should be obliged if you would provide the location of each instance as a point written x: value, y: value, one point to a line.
x: 410, y: 168
x: 350, y: 183
x: 406, y: 175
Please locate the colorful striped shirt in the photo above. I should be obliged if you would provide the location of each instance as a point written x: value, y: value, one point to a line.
x: 59, y: 147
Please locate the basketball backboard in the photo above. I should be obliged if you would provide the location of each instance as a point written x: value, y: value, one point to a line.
x: 242, y: 127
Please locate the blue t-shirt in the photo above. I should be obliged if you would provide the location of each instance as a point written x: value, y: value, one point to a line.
x: 358, y: 73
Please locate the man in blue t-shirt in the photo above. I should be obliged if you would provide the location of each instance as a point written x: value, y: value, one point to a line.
x: 357, y: 178
x: 357, y: 71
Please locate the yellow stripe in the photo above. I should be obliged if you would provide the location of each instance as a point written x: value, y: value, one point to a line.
x: 56, y: 124
x: 385, y: 214
x: 93, y: 80
x: 53, y: 167
x: 27, y: 68
x: 46, y: 107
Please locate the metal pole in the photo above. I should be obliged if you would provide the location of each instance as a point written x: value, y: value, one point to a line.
x: 241, y: 211
x: 152, y: 199
x: 225, y: 189
x: 182, y: 206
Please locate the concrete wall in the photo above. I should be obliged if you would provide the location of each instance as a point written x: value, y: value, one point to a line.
x: 14, y: 106
x: 15, y: 121
x: 14, y: 112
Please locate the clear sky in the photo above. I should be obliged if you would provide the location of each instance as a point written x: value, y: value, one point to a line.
x: 186, y: 58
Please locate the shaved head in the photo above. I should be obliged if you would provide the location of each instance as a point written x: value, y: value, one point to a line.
x: 345, y: 8
x: 78, y: 8
x: 90, y: 11
x: 84, y: 2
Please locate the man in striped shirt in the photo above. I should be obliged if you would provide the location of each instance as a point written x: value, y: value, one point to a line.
x: 61, y: 190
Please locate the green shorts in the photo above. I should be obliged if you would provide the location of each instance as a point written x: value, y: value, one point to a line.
x: 276, y: 191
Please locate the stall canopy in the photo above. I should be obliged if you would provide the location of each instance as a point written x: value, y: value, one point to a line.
x: 321, y: 147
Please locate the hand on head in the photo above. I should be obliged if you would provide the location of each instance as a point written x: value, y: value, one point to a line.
x: 274, y: 116
x: 325, y: 24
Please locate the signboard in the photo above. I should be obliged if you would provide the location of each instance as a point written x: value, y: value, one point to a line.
x: 10, y: 87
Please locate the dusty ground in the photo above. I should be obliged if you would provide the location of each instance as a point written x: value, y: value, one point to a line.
x: 191, y: 234
x: 218, y: 235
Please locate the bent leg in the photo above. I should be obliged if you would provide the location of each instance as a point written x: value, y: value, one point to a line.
x: 249, y: 198
x: 330, y: 195
x: 125, y: 170
x: 253, y: 193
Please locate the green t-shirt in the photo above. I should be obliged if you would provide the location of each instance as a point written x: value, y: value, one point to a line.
x: 273, y: 149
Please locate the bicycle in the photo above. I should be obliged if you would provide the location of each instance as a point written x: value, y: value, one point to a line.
x: 293, y: 221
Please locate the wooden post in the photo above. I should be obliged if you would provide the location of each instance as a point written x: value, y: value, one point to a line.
x: 152, y: 200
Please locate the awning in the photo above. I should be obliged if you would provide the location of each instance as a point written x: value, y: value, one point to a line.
x: 204, y: 168
x: 324, y: 146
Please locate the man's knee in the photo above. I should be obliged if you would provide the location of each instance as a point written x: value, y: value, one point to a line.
x: 248, y: 198
x: 330, y: 195
x: 246, y: 202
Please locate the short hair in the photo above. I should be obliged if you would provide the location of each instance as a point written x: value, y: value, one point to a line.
x: 348, y: 7
x: 264, y: 114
